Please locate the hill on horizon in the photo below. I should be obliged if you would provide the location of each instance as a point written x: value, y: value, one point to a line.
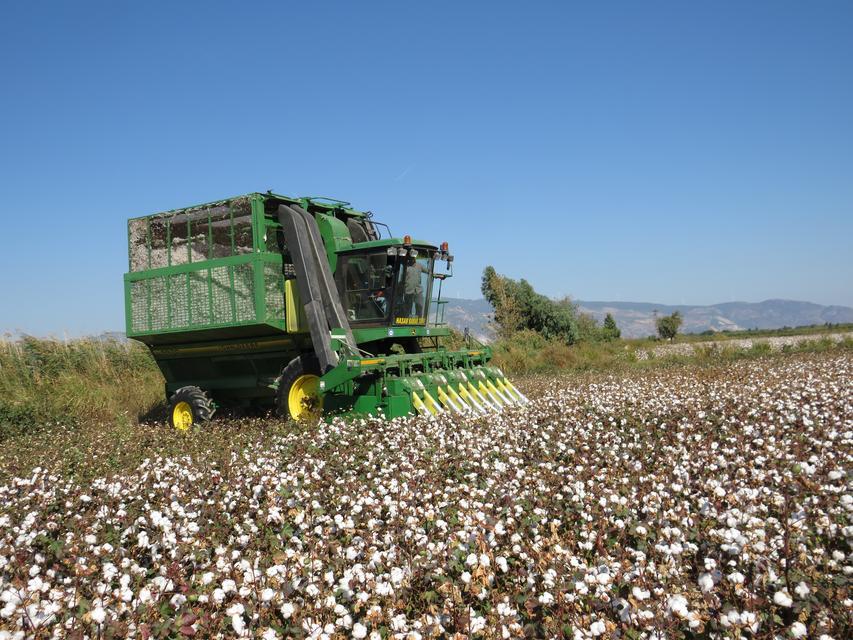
x: 637, y: 319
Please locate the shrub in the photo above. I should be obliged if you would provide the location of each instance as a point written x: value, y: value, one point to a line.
x: 668, y: 325
x: 517, y: 306
x: 610, y: 331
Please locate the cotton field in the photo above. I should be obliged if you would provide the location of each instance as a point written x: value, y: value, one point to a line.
x: 670, y: 503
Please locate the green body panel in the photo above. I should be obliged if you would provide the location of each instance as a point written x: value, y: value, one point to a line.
x: 205, y: 291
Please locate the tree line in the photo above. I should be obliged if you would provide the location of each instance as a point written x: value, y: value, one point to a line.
x: 518, y: 307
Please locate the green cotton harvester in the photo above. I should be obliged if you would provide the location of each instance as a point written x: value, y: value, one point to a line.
x: 302, y: 305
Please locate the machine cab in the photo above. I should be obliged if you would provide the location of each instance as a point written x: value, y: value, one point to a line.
x: 386, y: 282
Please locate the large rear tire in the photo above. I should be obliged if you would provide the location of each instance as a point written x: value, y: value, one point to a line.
x: 189, y: 406
x: 298, y: 396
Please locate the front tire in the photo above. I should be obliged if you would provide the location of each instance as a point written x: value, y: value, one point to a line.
x: 298, y: 396
x: 189, y: 406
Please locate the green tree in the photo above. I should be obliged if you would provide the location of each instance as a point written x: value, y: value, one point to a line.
x: 668, y: 325
x: 610, y: 331
x: 517, y: 306
x: 588, y: 328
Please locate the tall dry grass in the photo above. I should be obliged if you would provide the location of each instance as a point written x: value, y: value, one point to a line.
x: 46, y: 381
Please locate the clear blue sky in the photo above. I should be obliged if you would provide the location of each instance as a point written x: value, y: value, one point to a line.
x: 683, y: 153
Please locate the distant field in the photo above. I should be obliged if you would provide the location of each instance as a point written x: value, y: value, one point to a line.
x: 528, y: 352
x: 817, y: 329
x: 757, y: 344
x: 671, y: 501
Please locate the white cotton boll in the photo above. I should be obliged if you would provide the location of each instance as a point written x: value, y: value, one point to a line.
x: 782, y: 598
x: 35, y: 584
x: 706, y: 582
x: 798, y: 630
x: 639, y: 593
x: 398, y: 622
x: 267, y: 594
x: 235, y: 609
x: 677, y: 604
x: 98, y: 615
x: 270, y: 634
x: 749, y: 620
x: 238, y: 624
x: 802, y: 590
x: 397, y: 575
x: 229, y: 585
x: 546, y: 598
x: 622, y: 609
x: 597, y: 628
x: 835, y: 474
x: 729, y: 618
x: 500, y: 561
x: 287, y: 610
x: 359, y: 630
x: 465, y: 577
x: 218, y: 595
x: 471, y: 560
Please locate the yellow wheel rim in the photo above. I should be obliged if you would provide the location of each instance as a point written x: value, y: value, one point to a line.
x: 182, y: 416
x: 303, y: 399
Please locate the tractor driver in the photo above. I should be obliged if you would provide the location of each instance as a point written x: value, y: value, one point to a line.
x: 412, y: 288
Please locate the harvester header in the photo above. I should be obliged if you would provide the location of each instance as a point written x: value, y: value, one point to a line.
x: 302, y: 304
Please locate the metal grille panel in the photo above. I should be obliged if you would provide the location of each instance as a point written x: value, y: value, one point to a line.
x: 274, y: 291
x: 206, y: 297
x: 139, y: 305
x: 179, y: 301
x: 244, y: 293
x: 200, y: 297
x: 191, y: 235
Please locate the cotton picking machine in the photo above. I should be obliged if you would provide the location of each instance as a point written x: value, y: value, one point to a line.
x: 302, y: 305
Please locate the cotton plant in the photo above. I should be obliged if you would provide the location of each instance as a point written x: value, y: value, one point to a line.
x: 646, y: 505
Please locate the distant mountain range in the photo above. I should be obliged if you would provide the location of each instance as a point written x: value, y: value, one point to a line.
x: 637, y: 319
